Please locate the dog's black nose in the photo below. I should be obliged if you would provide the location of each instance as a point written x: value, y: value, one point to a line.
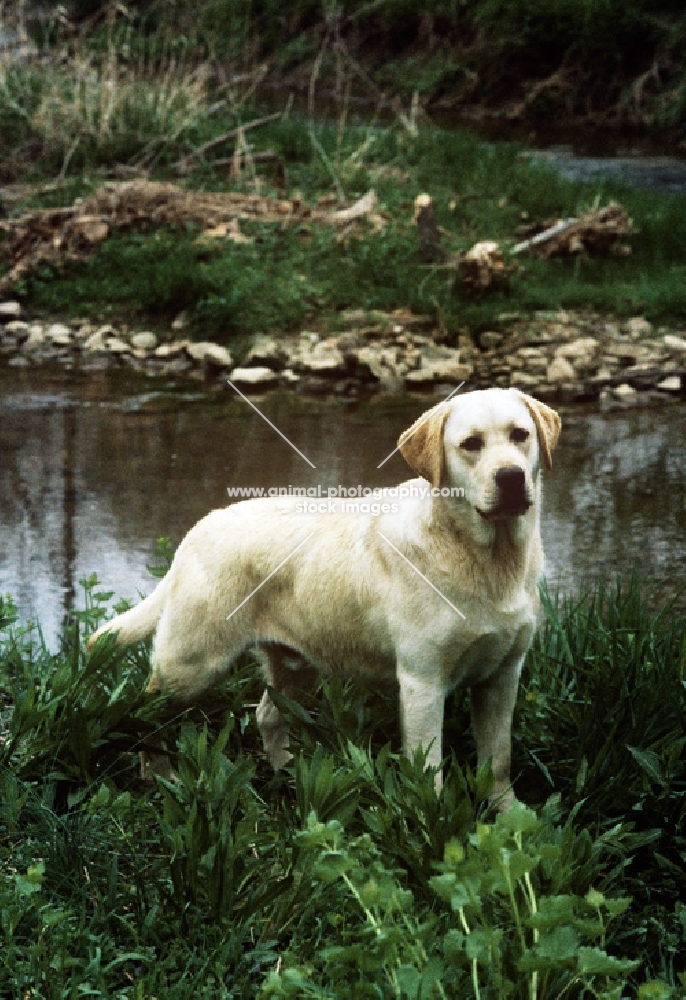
x: 511, y: 482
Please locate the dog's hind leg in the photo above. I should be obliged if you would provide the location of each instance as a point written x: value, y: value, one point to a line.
x: 289, y: 674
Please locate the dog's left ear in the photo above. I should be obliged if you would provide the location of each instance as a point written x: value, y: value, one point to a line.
x: 548, y: 425
x: 421, y: 445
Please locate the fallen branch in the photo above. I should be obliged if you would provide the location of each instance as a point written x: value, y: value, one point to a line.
x: 182, y: 165
x: 547, y: 234
x: 600, y: 231
x: 363, y: 206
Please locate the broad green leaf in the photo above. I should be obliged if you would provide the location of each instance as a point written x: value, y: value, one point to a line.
x: 30, y: 883
x: 553, y: 911
x: 518, y: 819
x: 615, y: 907
x: 597, y: 962
x: 409, y: 979
x: 481, y: 942
x: 555, y: 950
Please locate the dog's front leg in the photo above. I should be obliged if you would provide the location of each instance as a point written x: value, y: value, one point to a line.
x: 492, y: 704
x: 421, y: 717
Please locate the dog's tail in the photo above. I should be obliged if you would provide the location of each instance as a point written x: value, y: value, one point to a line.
x: 137, y: 623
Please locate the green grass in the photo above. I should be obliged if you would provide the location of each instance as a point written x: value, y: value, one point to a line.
x: 288, y: 278
x: 346, y: 876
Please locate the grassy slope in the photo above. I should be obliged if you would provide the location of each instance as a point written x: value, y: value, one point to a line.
x: 347, y: 877
x: 134, y: 92
x: 287, y: 279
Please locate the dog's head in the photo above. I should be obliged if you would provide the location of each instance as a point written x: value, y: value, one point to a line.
x: 488, y: 442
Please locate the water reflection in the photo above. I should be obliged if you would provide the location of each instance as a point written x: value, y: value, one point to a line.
x: 91, y: 473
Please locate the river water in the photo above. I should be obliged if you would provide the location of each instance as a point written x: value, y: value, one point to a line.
x: 93, y: 470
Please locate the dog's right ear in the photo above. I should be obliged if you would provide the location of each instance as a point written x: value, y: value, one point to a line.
x: 421, y: 445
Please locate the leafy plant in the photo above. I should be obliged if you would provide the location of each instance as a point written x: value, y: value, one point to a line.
x: 346, y: 875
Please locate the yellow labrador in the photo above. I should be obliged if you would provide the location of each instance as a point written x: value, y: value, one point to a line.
x: 437, y: 591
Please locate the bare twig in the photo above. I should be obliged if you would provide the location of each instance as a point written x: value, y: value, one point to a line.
x: 310, y: 114
x: 182, y: 165
x: 263, y: 156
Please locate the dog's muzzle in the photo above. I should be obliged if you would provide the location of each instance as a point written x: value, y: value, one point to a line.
x: 512, y: 499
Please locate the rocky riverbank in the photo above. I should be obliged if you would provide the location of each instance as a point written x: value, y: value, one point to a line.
x: 562, y: 356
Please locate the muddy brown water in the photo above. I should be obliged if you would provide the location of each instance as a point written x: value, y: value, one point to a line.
x: 93, y: 469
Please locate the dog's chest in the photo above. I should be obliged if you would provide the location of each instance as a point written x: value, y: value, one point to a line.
x: 479, y: 648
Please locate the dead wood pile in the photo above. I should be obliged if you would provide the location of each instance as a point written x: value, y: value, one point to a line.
x: 599, y: 232
x: 54, y: 237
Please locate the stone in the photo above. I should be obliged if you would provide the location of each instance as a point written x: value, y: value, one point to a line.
x: 423, y: 378
x: 181, y: 321
x: 84, y: 331
x: 36, y: 338
x: 17, y: 328
x: 670, y: 384
x: 322, y: 358
x: 117, y: 346
x: 265, y: 352
x: 435, y: 370
x: 18, y: 361
x: 96, y: 341
x: 577, y: 349
x: 624, y: 391
x: 534, y: 363
x: 144, y: 341
x: 491, y: 338
x: 671, y: 342
x: 531, y: 353
x: 524, y: 380
x: 451, y: 369
x: 170, y: 350
x: 560, y: 370
x: 9, y: 311
x: 255, y: 377
x: 205, y: 350
x: 59, y: 334
x: 638, y: 327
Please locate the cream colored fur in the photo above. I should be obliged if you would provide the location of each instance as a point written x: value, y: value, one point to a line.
x: 347, y: 601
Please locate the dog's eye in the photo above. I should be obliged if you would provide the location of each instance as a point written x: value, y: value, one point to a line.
x: 518, y: 435
x: 473, y: 443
